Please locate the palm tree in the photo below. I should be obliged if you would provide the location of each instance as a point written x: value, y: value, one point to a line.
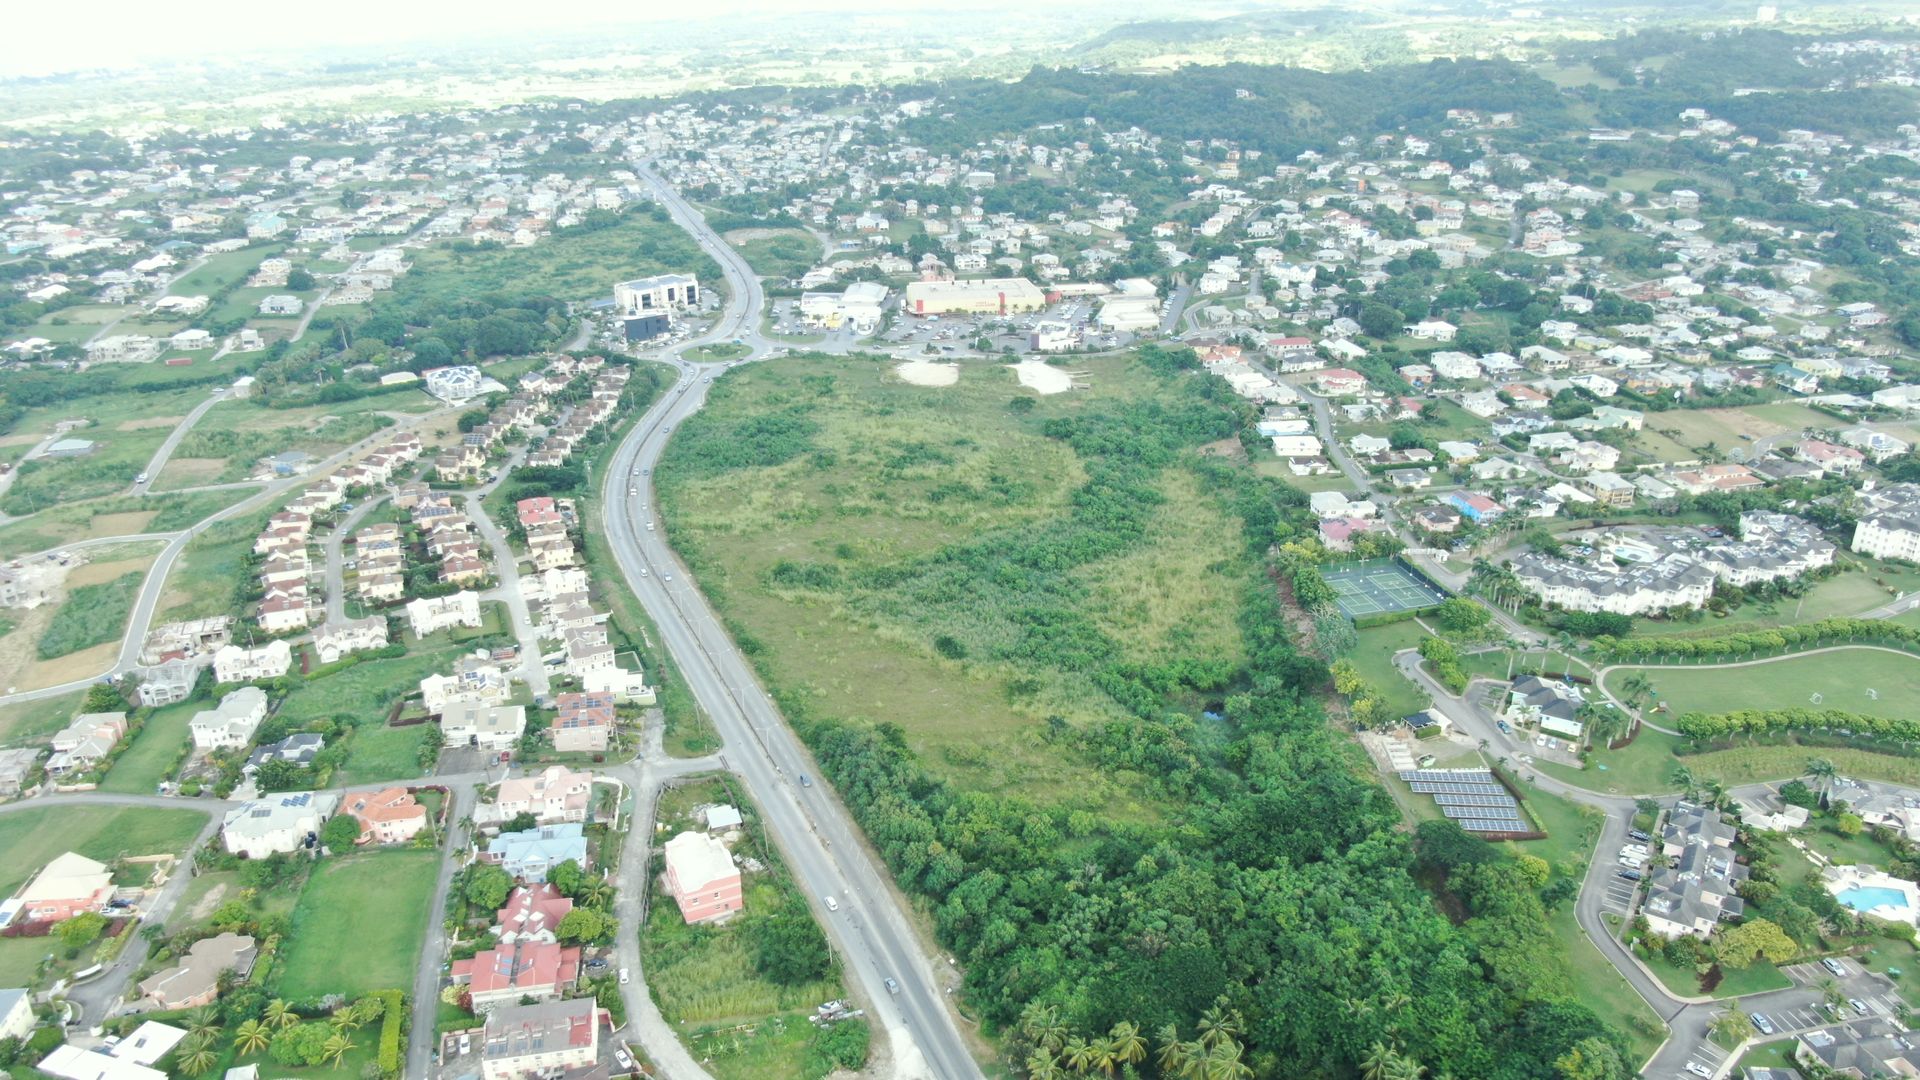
x: 204, y: 1023
x: 1830, y: 990
x: 337, y: 1048
x: 1715, y: 791
x: 1683, y: 778
x: 1217, y: 1025
x: 346, y: 1018
x: 280, y: 1014
x: 1080, y: 1055
x: 1129, y: 1046
x: 199, y: 1057
x: 596, y: 893
x: 1822, y: 770
x: 1405, y: 1068
x: 1175, y: 1055
x: 1042, y: 1066
x: 251, y: 1038
x: 1042, y: 1027
x: 1378, y: 1061
x: 1104, y: 1058
x: 1223, y: 1063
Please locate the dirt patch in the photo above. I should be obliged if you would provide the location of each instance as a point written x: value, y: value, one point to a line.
x: 928, y: 373
x: 149, y: 422
x: 743, y: 236
x: 17, y: 647
x: 96, y: 573
x: 1231, y: 449
x: 1042, y: 378
x: 122, y: 524
x: 208, y: 903
x: 85, y: 664
x: 19, y: 440
x: 187, y: 471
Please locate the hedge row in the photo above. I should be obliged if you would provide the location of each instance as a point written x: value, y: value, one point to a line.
x: 391, y: 1022
x: 1697, y: 725
x: 1824, y: 632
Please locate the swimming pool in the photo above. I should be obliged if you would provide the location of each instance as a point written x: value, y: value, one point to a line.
x: 1868, y: 897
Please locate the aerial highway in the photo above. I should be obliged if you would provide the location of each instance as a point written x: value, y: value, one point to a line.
x: 866, y: 924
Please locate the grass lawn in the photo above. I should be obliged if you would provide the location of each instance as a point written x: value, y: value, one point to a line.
x: 225, y: 270
x: 786, y: 253
x: 113, y: 516
x: 1773, y: 1055
x: 1887, y: 956
x: 1841, y: 677
x: 1639, y: 768
x: 142, y: 766
x: 91, y: 615
x: 570, y: 264
x: 29, y: 839
x: 379, y: 753
x: 1823, y: 838
x: 32, y: 720
x: 204, y: 577
x: 717, y: 352
x: 1867, y: 585
x: 1734, y: 982
x: 1374, y: 657
x: 359, y: 925
x: 1599, y: 986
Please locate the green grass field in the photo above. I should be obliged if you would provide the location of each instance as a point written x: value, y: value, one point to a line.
x: 116, y: 516
x: 359, y: 925
x: 237, y: 438
x: 379, y: 753
x: 571, y: 266
x: 204, y: 577
x: 224, y: 270
x: 1841, y: 677
x: 91, y: 615
x: 1374, y: 657
x: 895, y: 475
x: 34, y: 720
x: 29, y: 839
x: 787, y: 253
x: 142, y: 766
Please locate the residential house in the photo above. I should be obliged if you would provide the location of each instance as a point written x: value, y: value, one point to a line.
x: 1697, y: 889
x: 336, y: 640
x: 533, y: 912
x: 529, y: 854
x: 1862, y: 1049
x: 231, y: 724
x: 278, y: 823
x: 509, y: 973
x: 15, y: 766
x: 298, y: 750
x: 86, y: 742
x: 545, y: 1039
x: 430, y: 614
x: 1475, y: 507
x: 585, y: 723
x: 388, y: 816
x: 16, y: 1014
x: 702, y: 878
x: 70, y: 885
x: 195, y: 980
x: 232, y: 663
x: 1551, y: 703
x: 553, y: 795
x: 491, y: 727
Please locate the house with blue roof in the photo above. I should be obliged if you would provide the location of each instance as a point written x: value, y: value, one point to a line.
x: 528, y: 855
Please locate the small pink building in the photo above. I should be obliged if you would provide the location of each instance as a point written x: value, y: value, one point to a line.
x: 388, y: 816
x: 702, y: 878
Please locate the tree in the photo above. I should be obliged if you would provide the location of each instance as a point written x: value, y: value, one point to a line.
x: 204, y: 1023
x: 567, y: 877
x: 281, y: 1015
x: 521, y: 822
x: 1347, y: 679
x: 197, y: 1056
x: 299, y: 280
x: 1740, y: 945
x: 1334, y: 636
x: 583, y: 926
x: 788, y: 947
x: 1822, y: 769
x: 1848, y: 824
x: 1682, y: 777
x: 1379, y: 320
x: 487, y: 887
x: 1462, y: 615
x: 1592, y: 1058
x: 337, y: 1048
x: 1730, y: 1026
x: 251, y: 1037
x: 80, y: 931
x: 340, y: 833
x: 1129, y: 1048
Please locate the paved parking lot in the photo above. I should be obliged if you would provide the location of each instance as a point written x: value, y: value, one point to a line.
x: 1706, y: 1054
x: 1617, y: 896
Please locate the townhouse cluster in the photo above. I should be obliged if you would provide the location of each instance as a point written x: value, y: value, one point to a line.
x: 563, y: 614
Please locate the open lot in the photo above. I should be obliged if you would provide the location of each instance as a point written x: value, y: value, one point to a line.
x: 359, y: 925
x: 155, y: 751
x: 1723, y: 428
x: 32, y: 721
x: 917, y: 477
x: 29, y: 839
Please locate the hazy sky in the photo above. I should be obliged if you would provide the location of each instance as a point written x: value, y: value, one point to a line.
x: 47, y: 37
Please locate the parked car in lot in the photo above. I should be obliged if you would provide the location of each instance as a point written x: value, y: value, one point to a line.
x: 1859, y: 1006
x: 1698, y: 1069
x: 1833, y: 965
x: 1764, y: 1025
x: 1630, y: 875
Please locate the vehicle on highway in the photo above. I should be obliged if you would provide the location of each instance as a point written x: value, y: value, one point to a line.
x: 646, y: 472
x: 832, y: 904
x: 664, y: 576
x: 1502, y: 725
x: 633, y: 491
x: 1761, y: 1022
x: 649, y: 526
x: 805, y: 780
x: 643, y: 571
x: 892, y: 987
x: 623, y: 976
x: 141, y: 479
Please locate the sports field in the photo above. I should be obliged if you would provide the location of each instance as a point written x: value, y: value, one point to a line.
x: 1379, y: 585
x: 1855, y: 680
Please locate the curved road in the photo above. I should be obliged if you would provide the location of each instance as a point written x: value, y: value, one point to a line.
x: 870, y: 928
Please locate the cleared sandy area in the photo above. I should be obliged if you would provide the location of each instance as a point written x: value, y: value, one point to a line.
x: 126, y: 523
x: 1042, y: 377
x: 146, y: 422
x: 928, y: 373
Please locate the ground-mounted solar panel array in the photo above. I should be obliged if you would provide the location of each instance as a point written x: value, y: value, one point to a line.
x: 1471, y: 798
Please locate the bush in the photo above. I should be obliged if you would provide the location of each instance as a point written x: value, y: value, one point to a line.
x: 391, y: 1021
x: 838, y: 1046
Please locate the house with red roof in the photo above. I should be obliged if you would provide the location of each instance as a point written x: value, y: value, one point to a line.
x: 387, y: 816
x: 1339, y: 382
x: 531, y: 914
x: 524, y: 969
